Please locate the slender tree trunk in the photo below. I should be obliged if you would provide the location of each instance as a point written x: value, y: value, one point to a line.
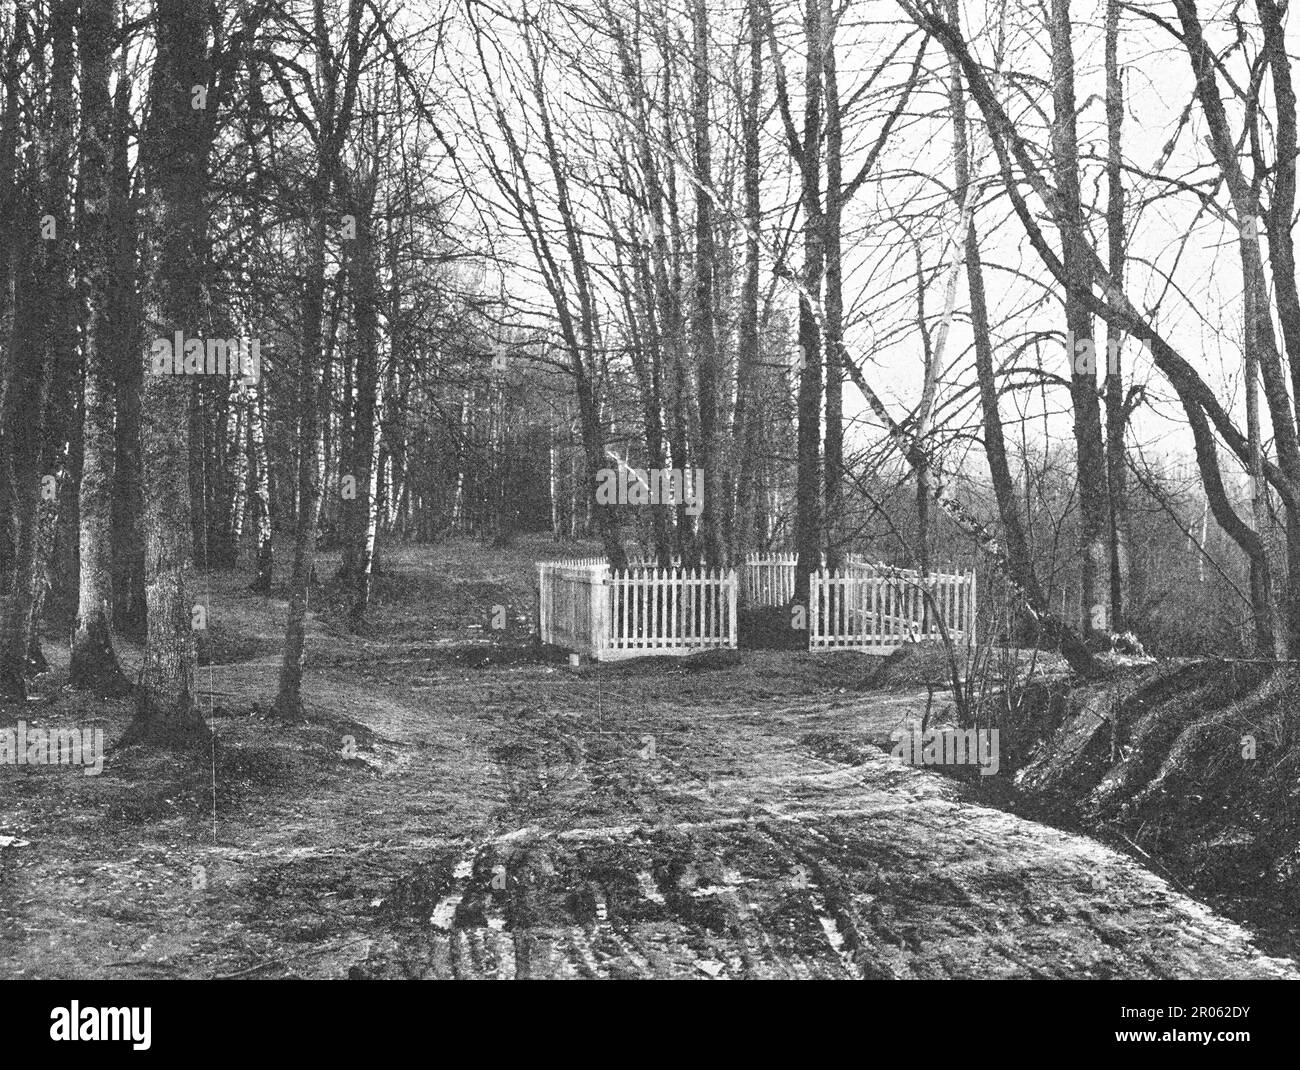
x: 931, y: 354
x: 808, y: 493
x: 9, y: 247
x: 94, y: 663
x: 390, y: 490
x: 1260, y: 339
x: 288, y: 702
x: 28, y: 392
x: 49, y: 514
x: 237, y: 464
x: 364, y: 431
x: 1116, y: 403
x: 14, y: 250
x: 123, y: 330
x: 1269, y: 633
x: 749, y: 356
x: 259, y: 491
x: 704, y: 310
x: 1081, y: 348
x: 581, y: 332
x: 646, y: 355
x: 834, y: 318
x: 348, y: 516
x: 1020, y: 562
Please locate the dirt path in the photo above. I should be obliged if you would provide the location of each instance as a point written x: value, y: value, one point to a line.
x: 736, y: 848
x: 467, y: 810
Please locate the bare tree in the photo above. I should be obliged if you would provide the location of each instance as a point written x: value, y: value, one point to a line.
x: 175, y: 147
x: 94, y: 663
x: 333, y: 92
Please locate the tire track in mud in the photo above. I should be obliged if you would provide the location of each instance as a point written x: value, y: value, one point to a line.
x: 740, y: 850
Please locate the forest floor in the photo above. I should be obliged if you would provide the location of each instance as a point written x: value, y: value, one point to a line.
x: 461, y: 805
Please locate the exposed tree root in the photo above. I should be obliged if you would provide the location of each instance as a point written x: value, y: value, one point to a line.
x: 1158, y: 714
x: 1208, y: 738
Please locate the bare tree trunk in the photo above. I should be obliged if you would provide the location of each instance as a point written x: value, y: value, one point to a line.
x: 931, y: 355
x: 9, y: 248
x: 578, y: 318
x: 392, y: 411
x: 1269, y: 632
x: 703, y: 330
x: 28, y: 392
x: 42, y: 351
x: 646, y: 357
x: 288, y: 701
x: 834, y: 316
x: 1281, y: 243
x: 48, y: 516
x: 336, y: 78
x: 176, y: 157
x: 259, y: 491
x: 123, y: 329
x: 14, y: 243
x: 1121, y: 593
x: 749, y: 356
x: 27, y: 379
x: 668, y: 246
x: 808, y: 504
x: 1089, y: 445
x: 364, y: 431
x: 1260, y: 340
x: 237, y: 464
x: 94, y: 663
x: 1020, y: 563
x: 553, y: 473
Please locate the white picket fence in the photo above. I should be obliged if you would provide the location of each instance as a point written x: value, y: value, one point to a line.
x: 858, y: 610
x: 769, y: 578
x: 609, y: 614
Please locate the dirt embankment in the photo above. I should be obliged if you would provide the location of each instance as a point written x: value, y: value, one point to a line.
x: 1193, y: 768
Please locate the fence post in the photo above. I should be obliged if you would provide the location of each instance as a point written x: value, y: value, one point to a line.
x: 810, y: 610
x: 733, y: 629
x: 972, y: 639
x: 541, y: 603
x: 596, y: 589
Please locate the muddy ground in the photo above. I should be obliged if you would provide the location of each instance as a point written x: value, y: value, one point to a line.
x: 459, y: 805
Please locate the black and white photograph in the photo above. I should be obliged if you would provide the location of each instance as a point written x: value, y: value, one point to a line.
x: 753, y: 490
